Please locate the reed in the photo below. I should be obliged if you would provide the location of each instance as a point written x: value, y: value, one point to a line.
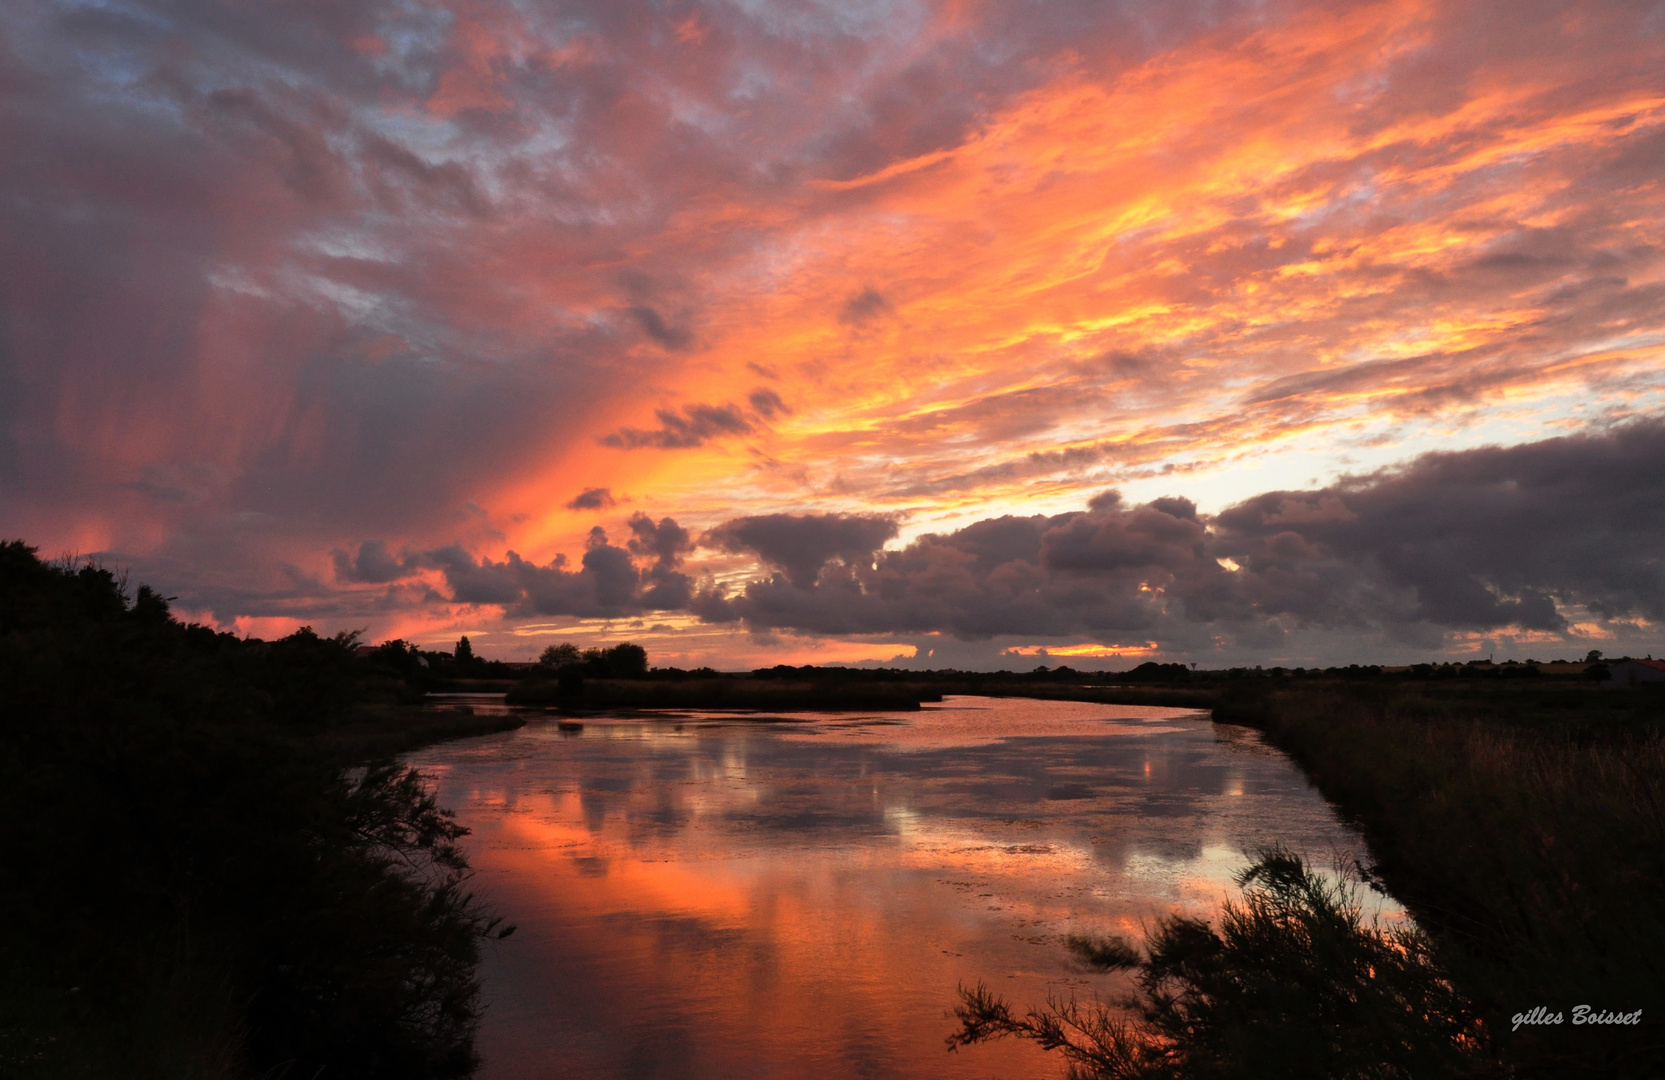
x: 727, y: 692
x: 1524, y: 829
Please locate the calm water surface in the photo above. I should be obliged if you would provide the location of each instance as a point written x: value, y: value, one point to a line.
x: 718, y: 897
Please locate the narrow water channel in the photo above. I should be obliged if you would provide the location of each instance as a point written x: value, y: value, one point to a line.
x: 707, y: 896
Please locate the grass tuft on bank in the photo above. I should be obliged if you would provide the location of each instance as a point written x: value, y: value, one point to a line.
x: 1292, y: 983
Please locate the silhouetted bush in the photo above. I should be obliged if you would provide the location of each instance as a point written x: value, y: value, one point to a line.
x: 1293, y: 983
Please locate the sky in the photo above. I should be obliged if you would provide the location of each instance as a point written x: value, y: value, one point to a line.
x: 948, y: 334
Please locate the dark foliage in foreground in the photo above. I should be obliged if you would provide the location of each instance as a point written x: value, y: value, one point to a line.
x: 1292, y: 984
x: 194, y: 883
x: 1524, y: 827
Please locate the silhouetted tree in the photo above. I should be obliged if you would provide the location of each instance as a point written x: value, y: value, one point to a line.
x: 627, y: 660
x: 559, y: 655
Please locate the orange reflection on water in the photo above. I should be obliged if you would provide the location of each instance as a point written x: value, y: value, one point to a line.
x: 723, y: 897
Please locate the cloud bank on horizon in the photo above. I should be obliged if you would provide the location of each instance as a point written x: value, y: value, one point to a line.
x: 806, y: 330
x: 1559, y: 538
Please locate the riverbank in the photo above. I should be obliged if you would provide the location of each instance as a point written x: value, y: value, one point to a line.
x: 1523, y: 826
x: 725, y: 692
x: 386, y: 733
x: 1182, y: 697
x: 828, y: 693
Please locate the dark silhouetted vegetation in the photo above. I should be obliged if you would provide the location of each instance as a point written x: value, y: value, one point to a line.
x: 564, y: 675
x: 579, y: 695
x: 198, y: 881
x: 1523, y: 824
x: 1292, y: 983
x: 1103, y: 953
x: 619, y: 678
x: 557, y: 656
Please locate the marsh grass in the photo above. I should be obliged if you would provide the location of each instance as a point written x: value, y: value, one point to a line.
x: 1293, y: 982
x: 724, y: 692
x: 1181, y: 697
x: 1525, y: 830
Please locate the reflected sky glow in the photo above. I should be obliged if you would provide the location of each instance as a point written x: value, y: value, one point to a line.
x: 710, y: 896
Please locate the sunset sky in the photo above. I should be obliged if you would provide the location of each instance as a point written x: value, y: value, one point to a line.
x: 762, y: 332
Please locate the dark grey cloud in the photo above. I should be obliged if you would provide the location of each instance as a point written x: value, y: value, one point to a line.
x: 373, y: 564
x: 655, y: 326
x: 694, y: 426
x: 606, y: 584
x: 1474, y: 540
x: 990, y: 578
x: 591, y: 499
x: 483, y: 582
x: 666, y: 543
x: 767, y: 404
x: 1468, y: 540
x: 801, y: 545
x: 697, y: 424
x: 183, y: 484
x: 865, y: 305
x: 1524, y: 538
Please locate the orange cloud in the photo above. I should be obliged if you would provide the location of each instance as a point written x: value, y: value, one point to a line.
x: 458, y: 265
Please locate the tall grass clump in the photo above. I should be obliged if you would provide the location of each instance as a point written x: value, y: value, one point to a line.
x: 1293, y: 982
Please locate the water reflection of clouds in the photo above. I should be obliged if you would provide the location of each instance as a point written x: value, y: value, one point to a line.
x: 793, y: 899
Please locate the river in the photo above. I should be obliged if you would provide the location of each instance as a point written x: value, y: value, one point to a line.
x: 707, y: 896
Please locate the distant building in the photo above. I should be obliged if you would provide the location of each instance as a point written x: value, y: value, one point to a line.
x: 1635, y: 672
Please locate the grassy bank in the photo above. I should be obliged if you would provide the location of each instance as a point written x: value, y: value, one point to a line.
x: 380, y: 734
x: 208, y: 871
x: 722, y: 692
x: 1523, y: 825
x: 1183, y: 697
x: 829, y: 689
